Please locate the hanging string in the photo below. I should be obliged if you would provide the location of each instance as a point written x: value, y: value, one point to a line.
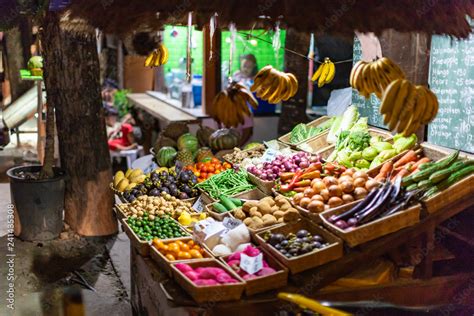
x: 292, y: 51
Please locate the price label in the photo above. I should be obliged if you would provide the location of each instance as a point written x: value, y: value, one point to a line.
x: 269, y: 155
x: 231, y: 223
x: 214, y: 228
x: 251, y: 265
x: 199, y: 205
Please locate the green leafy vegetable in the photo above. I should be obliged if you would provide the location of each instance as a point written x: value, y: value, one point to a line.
x: 349, y: 118
x: 403, y: 143
x: 302, y: 132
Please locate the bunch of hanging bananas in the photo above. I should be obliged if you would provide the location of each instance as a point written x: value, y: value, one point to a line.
x: 274, y: 86
x: 157, y: 57
x: 325, y: 72
x: 406, y: 106
x: 375, y: 76
x: 230, y: 106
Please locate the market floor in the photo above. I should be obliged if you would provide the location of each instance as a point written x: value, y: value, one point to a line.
x: 42, y: 268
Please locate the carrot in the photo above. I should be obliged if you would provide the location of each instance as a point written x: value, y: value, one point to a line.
x: 300, y: 189
x: 379, y: 177
x: 421, y: 161
x: 402, y: 173
x: 408, y: 157
x: 385, y: 170
x: 414, y: 171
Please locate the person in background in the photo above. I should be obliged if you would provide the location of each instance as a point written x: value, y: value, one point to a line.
x: 112, y: 124
x: 126, y: 141
x: 246, y: 73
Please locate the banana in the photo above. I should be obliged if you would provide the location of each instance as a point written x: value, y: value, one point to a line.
x: 164, y: 54
x: 259, y: 77
x: 149, y: 60
x: 353, y: 72
x: 318, y: 72
x: 366, y: 82
x: 394, y: 71
x: 402, y: 94
x: 324, y: 74
x: 293, y: 84
x: 248, y: 96
x: 425, y: 117
x: 435, y: 105
x: 420, y: 106
x: 408, y: 110
x: 285, y: 93
x: 389, y: 96
x: 157, y: 58
x: 276, y: 95
x: 268, y: 87
x: 332, y: 72
x: 357, y: 79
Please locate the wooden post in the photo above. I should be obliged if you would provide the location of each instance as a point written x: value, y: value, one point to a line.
x: 211, y: 78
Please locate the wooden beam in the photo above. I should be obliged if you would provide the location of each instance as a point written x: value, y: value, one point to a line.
x: 211, y: 76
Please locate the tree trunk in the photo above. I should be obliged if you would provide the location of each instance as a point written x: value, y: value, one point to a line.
x: 71, y: 73
x: 293, y: 111
x: 47, y: 170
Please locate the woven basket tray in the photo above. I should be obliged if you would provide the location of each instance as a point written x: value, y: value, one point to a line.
x: 320, y: 145
x: 217, y: 293
x: 285, y: 139
x: 437, y: 202
x: 312, y: 259
x: 165, y: 264
x: 263, y: 185
x: 265, y: 283
x: 374, y: 229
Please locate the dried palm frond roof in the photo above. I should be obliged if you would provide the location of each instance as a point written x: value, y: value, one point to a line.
x: 335, y: 16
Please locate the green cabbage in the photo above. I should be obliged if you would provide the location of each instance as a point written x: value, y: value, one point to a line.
x: 369, y: 153
x: 403, y: 143
x: 362, y: 164
x: 381, y: 146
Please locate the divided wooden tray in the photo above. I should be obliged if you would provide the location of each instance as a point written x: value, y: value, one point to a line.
x: 374, y: 229
x: 218, y: 293
x: 254, y: 194
x: 265, y: 283
x: 310, y: 260
x: 285, y: 139
x: 263, y: 185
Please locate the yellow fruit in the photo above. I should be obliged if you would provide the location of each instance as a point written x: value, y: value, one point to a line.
x: 130, y: 186
x: 135, y: 173
x: 128, y: 172
x: 118, y: 177
x: 202, y: 216
x: 123, y: 184
x: 137, y: 179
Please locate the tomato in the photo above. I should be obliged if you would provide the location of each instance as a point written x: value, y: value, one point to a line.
x: 204, y: 175
x: 226, y: 165
x: 170, y: 257
x: 182, y: 255
x: 210, y: 174
x: 217, y: 171
x: 197, y: 174
x: 195, y: 253
x: 199, y: 165
x: 211, y: 168
x: 215, y: 160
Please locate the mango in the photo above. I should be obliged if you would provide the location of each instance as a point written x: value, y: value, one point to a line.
x: 128, y: 172
x: 123, y: 184
x: 118, y: 177
x: 135, y: 173
x: 137, y: 179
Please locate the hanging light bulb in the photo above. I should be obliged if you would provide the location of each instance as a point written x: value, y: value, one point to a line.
x: 253, y: 42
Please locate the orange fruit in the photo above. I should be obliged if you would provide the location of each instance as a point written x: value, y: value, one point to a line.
x: 173, y: 248
x: 191, y: 243
x: 170, y: 257
x: 183, y: 255
x: 184, y: 247
x: 195, y: 253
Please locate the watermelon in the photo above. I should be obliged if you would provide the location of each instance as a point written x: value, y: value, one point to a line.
x: 166, y: 156
x: 189, y: 142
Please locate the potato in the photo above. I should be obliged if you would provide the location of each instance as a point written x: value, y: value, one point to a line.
x: 360, y: 193
x: 248, y: 205
x: 279, y: 214
x: 360, y: 174
x: 291, y: 215
x: 335, y: 190
x: 255, y: 213
x: 275, y: 208
x: 285, y: 207
x: 281, y: 220
x: 328, y: 181
x: 269, y: 200
x: 317, y: 197
x: 239, y: 214
x: 269, y: 220
x: 347, y: 198
x: 253, y: 209
x: 297, y: 197
x: 325, y: 194
x: 359, y: 182
x: 256, y: 223
x: 248, y: 221
x: 309, y: 192
x: 264, y: 207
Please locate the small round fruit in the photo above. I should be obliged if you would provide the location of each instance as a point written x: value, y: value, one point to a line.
x: 183, y: 255
x: 170, y: 257
x: 195, y: 254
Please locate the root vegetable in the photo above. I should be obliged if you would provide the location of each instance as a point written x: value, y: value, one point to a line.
x: 291, y: 215
x: 371, y: 184
x: 309, y: 192
x: 360, y: 193
x: 347, y: 198
x: 316, y: 206
x: 359, y: 182
x: 347, y: 186
x: 317, y: 197
x: 305, y: 202
x: 334, y: 201
x: 297, y: 197
x: 360, y: 174
x: 328, y: 181
x: 325, y: 194
x: 278, y: 214
x: 335, y: 190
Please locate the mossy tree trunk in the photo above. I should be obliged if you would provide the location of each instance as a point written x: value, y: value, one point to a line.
x: 71, y: 73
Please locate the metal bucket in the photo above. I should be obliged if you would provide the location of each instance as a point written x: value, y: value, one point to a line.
x: 39, y: 204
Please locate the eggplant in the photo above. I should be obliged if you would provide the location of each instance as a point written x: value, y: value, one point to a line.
x: 375, y: 199
x: 378, y: 207
x: 361, y: 205
x: 396, y: 192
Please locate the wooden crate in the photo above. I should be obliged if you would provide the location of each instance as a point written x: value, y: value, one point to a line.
x: 285, y: 139
x: 119, y: 212
x: 309, y: 260
x: 448, y: 196
x: 319, y: 145
x: 265, y: 283
x: 207, y: 199
x: 314, y: 217
x: 165, y: 264
x: 213, y: 293
x: 375, y: 229
x: 254, y: 194
x: 263, y: 185
x: 142, y: 246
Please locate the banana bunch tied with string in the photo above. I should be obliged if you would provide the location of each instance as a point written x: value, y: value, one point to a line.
x: 230, y: 107
x: 375, y: 76
x: 157, y: 57
x: 325, y: 72
x: 406, y: 106
x: 274, y: 86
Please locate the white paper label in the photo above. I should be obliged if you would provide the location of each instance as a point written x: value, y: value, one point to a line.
x: 251, y: 265
x: 231, y: 223
x: 198, y: 206
x: 269, y: 155
x: 213, y: 229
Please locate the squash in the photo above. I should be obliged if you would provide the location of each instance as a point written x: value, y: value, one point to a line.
x: 224, y: 138
x: 189, y: 142
x: 166, y: 156
x: 203, y: 134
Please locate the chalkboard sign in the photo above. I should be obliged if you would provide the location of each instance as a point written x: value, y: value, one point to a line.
x: 367, y: 107
x: 451, y: 78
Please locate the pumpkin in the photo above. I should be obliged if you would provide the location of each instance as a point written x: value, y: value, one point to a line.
x: 224, y: 138
x: 189, y: 142
x: 166, y: 156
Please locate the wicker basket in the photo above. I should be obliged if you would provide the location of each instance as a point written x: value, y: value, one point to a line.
x: 165, y: 264
x: 320, y: 145
x: 143, y: 247
x: 375, y: 229
x: 462, y: 188
x: 213, y: 293
x: 309, y: 260
x: 261, y: 284
x: 285, y: 139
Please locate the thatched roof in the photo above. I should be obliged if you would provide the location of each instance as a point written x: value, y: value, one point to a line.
x: 334, y: 16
